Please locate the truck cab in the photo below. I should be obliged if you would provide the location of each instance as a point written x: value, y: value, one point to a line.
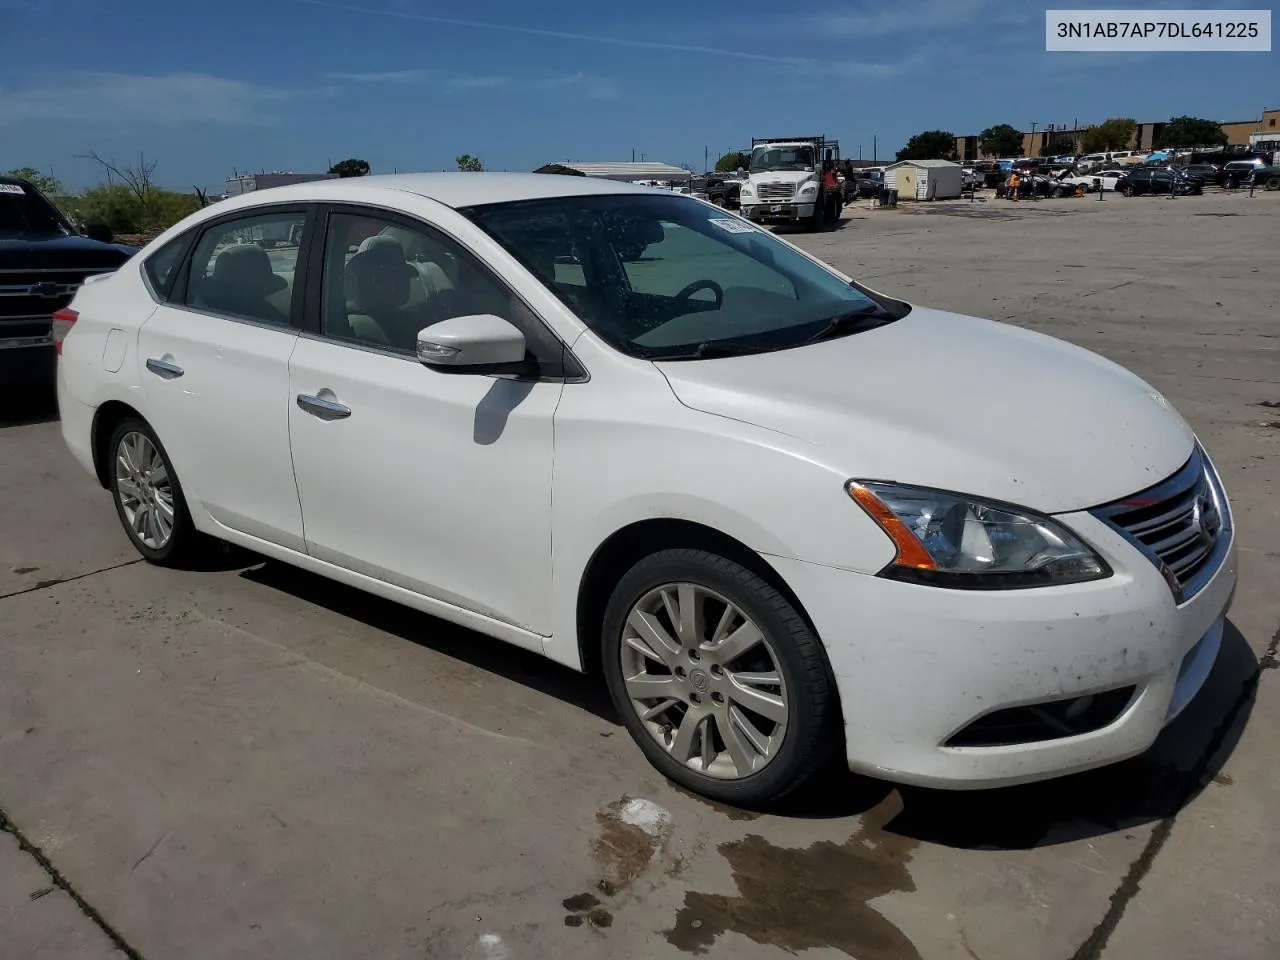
x: 785, y: 181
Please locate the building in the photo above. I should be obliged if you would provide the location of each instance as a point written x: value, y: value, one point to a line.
x: 628, y: 172
x: 924, y: 179
x: 247, y: 182
x: 1145, y: 137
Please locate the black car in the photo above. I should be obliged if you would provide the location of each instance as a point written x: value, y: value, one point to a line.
x: 1158, y: 180
x: 1208, y: 172
x: 719, y: 190
x: 43, y: 259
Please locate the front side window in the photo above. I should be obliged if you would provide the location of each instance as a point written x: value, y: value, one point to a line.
x: 666, y: 277
x: 245, y: 268
x: 384, y: 281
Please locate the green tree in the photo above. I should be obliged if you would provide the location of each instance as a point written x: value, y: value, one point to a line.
x: 1191, y: 132
x: 469, y: 164
x: 48, y: 185
x: 1058, y: 146
x: 930, y: 145
x: 1112, y: 134
x: 733, y: 160
x: 351, y: 168
x: 1001, y: 140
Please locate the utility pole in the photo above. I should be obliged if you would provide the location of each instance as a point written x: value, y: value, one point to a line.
x: 874, y: 159
x: 633, y: 154
x: 706, y: 159
x: 859, y: 153
x: 1033, y: 138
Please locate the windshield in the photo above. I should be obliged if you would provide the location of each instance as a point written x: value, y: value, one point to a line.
x: 781, y: 158
x: 666, y: 277
x: 24, y: 213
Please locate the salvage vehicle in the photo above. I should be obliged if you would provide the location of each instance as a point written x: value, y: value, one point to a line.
x: 1158, y: 180
x: 43, y: 261
x: 698, y: 474
x: 785, y: 181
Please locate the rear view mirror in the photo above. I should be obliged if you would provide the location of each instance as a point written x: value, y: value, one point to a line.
x: 474, y: 343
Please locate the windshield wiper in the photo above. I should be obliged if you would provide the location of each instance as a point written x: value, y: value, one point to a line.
x: 863, y: 318
x: 712, y: 348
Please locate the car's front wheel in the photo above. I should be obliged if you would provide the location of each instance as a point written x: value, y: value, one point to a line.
x: 148, y: 496
x: 718, y: 678
x: 1127, y: 190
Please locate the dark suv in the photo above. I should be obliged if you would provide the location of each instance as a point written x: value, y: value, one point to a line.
x: 43, y: 259
x: 1158, y: 180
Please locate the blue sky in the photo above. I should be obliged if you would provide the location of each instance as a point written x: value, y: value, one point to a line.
x: 206, y: 87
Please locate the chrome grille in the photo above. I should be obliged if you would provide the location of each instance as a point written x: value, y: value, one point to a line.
x: 1182, y: 525
x: 776, y: 191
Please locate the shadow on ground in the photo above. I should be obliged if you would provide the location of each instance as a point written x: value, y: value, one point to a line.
x: 495, y: 656
x: 22, y: 406
x: 1148, y: 788
x: 1188, y: 754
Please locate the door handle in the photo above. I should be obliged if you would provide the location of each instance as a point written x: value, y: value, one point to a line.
x: 322, y: 408
x: 162, y: 368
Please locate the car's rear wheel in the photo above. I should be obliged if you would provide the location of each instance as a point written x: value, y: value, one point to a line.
x: 1127, y: 190
x: 148, y: 495
x: 718, y: 678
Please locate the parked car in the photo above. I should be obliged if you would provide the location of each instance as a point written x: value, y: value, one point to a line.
x: 770, y: 550
x: 43, y: 261
x: 1208, y: 172
x: 1266, y: 178
x: 1157, y: 180
x: 721, y: 191
x: 1237, y: 172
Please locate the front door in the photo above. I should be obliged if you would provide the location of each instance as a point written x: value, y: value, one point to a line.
x: 436, y: 482
x: 215, y: 371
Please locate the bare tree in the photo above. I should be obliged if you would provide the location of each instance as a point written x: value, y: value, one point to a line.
x: 136, y: 179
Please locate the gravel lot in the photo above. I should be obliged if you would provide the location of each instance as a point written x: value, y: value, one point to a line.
x: 248, y: 761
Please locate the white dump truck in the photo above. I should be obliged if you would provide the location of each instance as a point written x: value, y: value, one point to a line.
x: 785, y: 181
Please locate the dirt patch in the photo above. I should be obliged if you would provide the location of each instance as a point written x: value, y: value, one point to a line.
x: 802, y: 899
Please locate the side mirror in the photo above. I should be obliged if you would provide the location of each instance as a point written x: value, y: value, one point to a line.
x: 99, y: 231
x: 474, y: 343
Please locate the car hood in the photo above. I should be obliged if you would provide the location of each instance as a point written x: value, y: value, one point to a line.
x: 24, y: 252
x: 942, y: 400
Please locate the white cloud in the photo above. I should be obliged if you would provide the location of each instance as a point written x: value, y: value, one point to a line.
x: 385, y: 76
x: 593, y: 87
x: 114, y: 98
x: 477, y: 83
x: 915, y: 16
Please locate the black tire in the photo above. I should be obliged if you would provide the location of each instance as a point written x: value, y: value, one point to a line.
x: 1059, y: 193
x: 185, y: 543
x: 819, y: 213
x: 1127, y: 190
x: 812, y: 733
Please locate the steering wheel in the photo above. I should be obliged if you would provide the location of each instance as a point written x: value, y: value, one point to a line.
x: 697, y: 285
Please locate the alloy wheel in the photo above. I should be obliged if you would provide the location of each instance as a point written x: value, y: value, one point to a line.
x: 704, y: 680
x: 145, y: 490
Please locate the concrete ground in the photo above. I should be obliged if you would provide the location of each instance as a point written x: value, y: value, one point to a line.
x: 248, y: 761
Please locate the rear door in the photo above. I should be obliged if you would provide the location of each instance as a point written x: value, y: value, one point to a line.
x: 215, y: 374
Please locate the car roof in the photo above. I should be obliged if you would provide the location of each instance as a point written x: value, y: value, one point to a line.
x: 451, y: 189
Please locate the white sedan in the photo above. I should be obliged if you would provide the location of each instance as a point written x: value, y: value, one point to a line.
x: 781, y: 514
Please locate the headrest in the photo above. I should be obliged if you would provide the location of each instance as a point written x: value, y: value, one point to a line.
x: 246, y: 267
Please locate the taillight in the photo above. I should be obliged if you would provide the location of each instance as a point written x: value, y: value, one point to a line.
x: 62, y: 321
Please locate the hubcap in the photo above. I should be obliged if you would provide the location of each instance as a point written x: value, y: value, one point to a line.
x: 145, y: 490
x: 704, y: 680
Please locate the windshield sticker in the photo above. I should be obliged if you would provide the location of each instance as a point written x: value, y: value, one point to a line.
x: 733, y: 226
x: 12, y: 188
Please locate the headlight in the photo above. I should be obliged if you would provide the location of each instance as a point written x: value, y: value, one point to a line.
x: 809, y: 188
x: 952, y: 540
x: 747, y: 190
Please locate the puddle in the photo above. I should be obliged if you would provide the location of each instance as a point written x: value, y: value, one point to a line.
x: 811, y: 897
x: 632, y: 832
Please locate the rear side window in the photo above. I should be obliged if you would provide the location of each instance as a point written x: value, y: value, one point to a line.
x: 162, y: 266
x: 245, y: 268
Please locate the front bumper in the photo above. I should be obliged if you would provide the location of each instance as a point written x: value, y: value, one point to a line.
x: 915, y: 665
x: 781, y: 211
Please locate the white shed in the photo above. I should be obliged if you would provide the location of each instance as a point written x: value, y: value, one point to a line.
x: 925, y: 179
